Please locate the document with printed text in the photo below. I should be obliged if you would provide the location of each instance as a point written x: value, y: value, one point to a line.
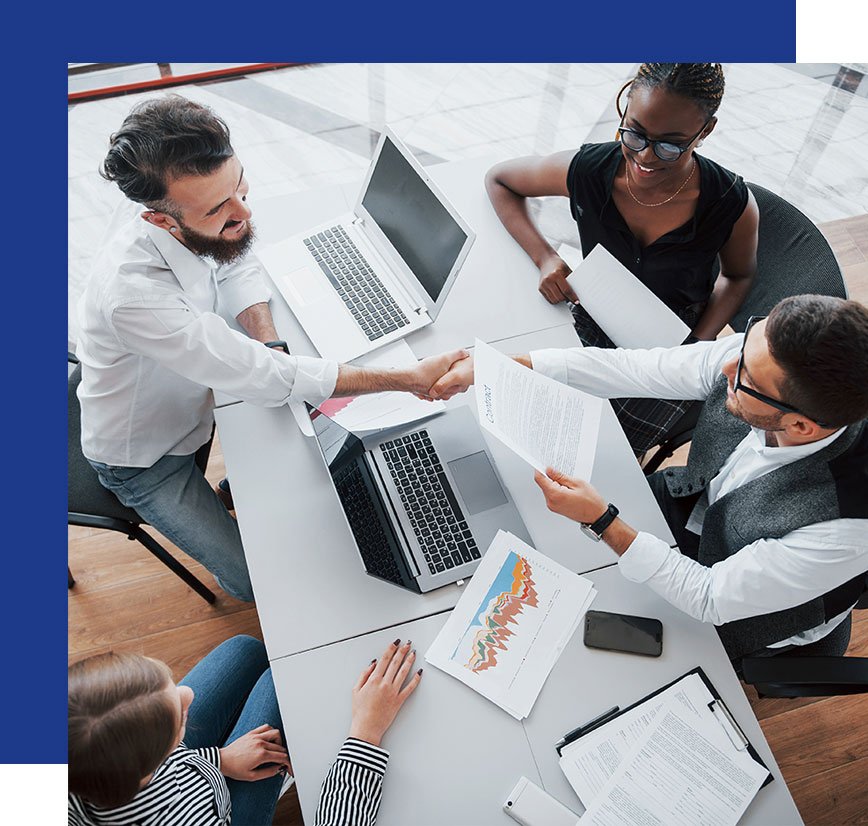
x: 546, y: 423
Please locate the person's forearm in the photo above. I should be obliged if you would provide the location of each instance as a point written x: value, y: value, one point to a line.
x: 619, y: 536
x: 353, y: 381
x: 258, y: 322
x: 515, y: 217
x: 726, y: 299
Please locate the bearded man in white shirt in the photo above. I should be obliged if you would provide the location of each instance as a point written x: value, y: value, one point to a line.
x: 154, y: 343
x: 771, y: 511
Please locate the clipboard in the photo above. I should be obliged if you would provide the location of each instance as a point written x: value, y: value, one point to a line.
x: 717, y: 700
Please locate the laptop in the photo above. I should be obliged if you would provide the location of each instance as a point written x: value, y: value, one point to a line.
x: 374, y: 275
x: 423, y: 501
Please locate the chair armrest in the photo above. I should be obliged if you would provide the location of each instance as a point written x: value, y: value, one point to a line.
x: 784, y: 676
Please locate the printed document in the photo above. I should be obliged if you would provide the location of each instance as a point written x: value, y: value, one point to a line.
x: 546, y: 423
x: 513, y: 620
x: 626, y: 310
x: 679, y: 773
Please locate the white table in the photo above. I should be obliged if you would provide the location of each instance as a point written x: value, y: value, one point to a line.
x: 455, y: 756
x: 323, y: 618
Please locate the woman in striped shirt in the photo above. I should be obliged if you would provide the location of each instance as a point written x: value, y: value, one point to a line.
x: 141, y: 751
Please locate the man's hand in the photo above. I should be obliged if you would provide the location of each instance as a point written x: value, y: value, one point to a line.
x: 456, y: 380
x: 255, y: 755
x: 573, y: 498
x: 553, y: 281
x: 423, y: 375
x: 379, y: 695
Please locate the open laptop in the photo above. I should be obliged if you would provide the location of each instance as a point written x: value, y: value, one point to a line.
x: 376, y: 274
x: 423, y: 501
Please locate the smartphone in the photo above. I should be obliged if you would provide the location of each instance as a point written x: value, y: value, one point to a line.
x: 529, y: 805
x: 621, y: 632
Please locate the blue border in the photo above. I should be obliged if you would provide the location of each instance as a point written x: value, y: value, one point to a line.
x: 34, y: 603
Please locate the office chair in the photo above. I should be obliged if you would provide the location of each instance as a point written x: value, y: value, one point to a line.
x: 816, y: 670
x: 793, y: 258
x: 93, y: 506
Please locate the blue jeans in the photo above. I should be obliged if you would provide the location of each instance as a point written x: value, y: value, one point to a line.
x: 234, y: 694
x: 174, y: 497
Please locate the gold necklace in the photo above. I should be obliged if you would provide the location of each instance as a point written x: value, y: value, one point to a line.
x: 642, y: 203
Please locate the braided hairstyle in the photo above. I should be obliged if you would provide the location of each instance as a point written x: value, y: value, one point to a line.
x: 701, y: 83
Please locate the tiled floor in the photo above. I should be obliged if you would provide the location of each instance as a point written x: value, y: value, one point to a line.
x: 798, y: 132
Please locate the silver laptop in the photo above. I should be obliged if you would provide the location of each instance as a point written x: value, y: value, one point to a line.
x: 423, y: 502
x: 372, y: 276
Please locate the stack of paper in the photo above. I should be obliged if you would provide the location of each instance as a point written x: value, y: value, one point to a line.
x: 512, y: 622
x: 671, y: 760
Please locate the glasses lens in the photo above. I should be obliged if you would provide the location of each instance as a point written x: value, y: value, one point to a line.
x: 633, y: 141
x: 667, y: 151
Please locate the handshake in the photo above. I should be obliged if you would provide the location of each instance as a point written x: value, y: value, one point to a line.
x: 439, y: 378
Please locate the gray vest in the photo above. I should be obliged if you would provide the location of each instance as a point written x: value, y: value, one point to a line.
x: 830, y: 484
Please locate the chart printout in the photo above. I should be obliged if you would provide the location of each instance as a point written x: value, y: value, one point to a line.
x: 510, y: 625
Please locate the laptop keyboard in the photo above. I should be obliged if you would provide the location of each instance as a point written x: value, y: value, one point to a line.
x: 374, y: 310
x: 430, y: 503
x: 365, y: 524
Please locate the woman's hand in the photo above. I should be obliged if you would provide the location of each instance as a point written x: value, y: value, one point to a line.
x: 380, y: 692
x: 255, y: 755
x: 553, y: 281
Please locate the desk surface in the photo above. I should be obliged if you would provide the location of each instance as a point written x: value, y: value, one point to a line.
x: 455, y: 755
x: 308, y: 580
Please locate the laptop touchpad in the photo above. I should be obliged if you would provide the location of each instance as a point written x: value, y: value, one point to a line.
x: 477, y: 483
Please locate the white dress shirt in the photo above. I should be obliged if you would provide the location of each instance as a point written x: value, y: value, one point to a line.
x: 154, y: 343
x: 765, y: 576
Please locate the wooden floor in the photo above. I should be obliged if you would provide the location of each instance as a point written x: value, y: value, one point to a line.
x: 125, y: 600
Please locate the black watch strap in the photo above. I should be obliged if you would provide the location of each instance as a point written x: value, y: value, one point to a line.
x: 604, y: 521
x: 282, y: 345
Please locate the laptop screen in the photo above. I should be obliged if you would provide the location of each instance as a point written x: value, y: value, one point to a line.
x: 414, y: 220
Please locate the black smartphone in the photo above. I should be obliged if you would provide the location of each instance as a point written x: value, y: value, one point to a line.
x: 621, y: 632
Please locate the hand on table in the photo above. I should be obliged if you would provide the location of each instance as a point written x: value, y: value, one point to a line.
x: 573, y: 498
x: 380, y: 692
x: 243, y: 758
x: 553, y: 281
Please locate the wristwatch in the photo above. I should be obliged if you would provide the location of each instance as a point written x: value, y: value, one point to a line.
x: 595, y: 530
x: 278, y: 345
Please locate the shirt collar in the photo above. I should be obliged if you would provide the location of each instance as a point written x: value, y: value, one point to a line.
x: 186, y: 265
x: 784, y: 455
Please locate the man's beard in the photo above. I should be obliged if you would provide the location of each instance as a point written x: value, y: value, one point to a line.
x: 220, y: 249
x: 771, y: 423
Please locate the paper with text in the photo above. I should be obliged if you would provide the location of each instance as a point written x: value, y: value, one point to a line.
x: 512, y: 622
x: 625, y: 309
x: 546, y: 423
x: 678, y: 774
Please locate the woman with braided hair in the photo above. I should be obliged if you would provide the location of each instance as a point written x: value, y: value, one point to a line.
x: 665, y: 212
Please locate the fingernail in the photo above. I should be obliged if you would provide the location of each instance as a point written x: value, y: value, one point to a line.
x: 371, y: 662
x: 419, y: 672
x: 413, y: 653
x: 397, y: 641
x: 409, y: 642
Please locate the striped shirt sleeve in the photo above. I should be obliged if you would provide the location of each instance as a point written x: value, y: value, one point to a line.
x: 351, y: 792
x: 210, y: 753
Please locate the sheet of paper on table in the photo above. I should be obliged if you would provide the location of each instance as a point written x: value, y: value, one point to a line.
x: 546, y: 423
x: 683, y: 770
x: 514, y: 618
x: 376, y: 411
x: 626, y: 310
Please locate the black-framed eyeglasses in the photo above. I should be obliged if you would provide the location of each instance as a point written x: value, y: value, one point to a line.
x: 665, y: 150
x: 739, y: 387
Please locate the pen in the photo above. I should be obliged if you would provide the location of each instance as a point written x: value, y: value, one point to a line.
x: 577, y: 732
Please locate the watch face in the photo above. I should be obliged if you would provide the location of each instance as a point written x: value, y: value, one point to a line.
x: 586, y: 530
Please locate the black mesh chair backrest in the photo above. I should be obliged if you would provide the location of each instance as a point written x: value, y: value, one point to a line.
x: 793, y: 258
x: 85, y: 494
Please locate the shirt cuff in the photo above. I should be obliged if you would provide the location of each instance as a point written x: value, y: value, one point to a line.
x: 645, y: 556
x: 364, y: 754
x: 551, y: 363
x: 315, y: 380
x: 211, y: 754
x: 238, y: 296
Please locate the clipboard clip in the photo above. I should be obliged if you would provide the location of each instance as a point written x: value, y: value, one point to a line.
x: 579, y: 731
x: 728, y: 724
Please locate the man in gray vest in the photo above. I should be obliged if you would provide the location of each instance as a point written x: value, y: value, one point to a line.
x: 771, y: 512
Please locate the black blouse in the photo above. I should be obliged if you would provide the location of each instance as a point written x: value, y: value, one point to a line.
x: 679, y: 266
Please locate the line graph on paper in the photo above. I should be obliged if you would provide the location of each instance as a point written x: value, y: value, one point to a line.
x: 496, y: 642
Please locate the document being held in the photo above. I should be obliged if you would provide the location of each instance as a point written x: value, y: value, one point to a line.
x: 547, y: 423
